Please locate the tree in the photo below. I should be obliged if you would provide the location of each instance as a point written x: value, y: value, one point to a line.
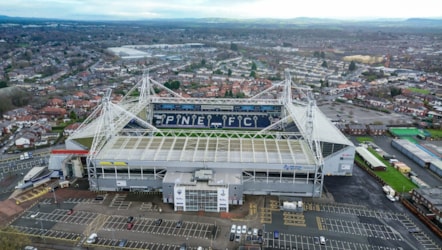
x: 11, y: 239
x: 203, y: 62
x: 352, y: 66
x: 252, y: 74
x: 229, y: 72
x: 322, y: 54
x: 172, y: 84
x: 254, y: 67
x: 395, y: 91
x: 324, y: 64
x: 73, y: 115
x: 233, y: 46
x: 3, y: 84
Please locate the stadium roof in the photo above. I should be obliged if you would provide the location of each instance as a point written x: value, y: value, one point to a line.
x: 207, y: 151
x: 323, y: 129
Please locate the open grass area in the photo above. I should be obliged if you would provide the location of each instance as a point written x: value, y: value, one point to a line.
x: 393, y: 177
x: 420, y: 91
x: 363, y: 138
x: 435, y: 132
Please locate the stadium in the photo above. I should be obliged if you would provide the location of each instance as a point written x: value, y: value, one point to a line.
x: 205, y: 154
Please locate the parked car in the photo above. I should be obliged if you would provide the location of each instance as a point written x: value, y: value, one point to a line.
x: 276, y: 234
x: 158, y: 222
x: 92, y: 238
x: 35, y: 215
x: 414, y: 230
x: 130, y: 226
x: 183, y: 246
x: 316, y: 240
x: 99, y: 198
x: 70, y: 211
x: 233, y: 229
x: 322, y: 240
x: 179, y: 224
x: 232, y: 237
x: 122, y: 243
x: 255, y: 232
x: 130, y: 219
x: 238, y: 237
x: 244, y: 229
x: 259, y: 232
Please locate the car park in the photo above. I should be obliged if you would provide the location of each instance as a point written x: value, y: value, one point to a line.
x: 92, y: 238
x: 233, y: 229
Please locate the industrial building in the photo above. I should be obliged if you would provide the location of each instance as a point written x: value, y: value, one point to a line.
x: 205, y: 154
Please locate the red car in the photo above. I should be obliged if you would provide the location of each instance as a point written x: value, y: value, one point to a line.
x: 130, y: 226
x: 70, y: 211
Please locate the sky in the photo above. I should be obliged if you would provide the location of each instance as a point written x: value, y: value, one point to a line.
x: 242, y: 9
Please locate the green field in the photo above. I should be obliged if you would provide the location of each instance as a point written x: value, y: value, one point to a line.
x: 435, y: 132
x: 420, y: 91
x: 393, y: 177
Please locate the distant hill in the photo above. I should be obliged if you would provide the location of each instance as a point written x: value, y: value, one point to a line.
x: 299, y: 22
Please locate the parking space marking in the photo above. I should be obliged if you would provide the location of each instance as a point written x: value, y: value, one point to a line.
x: 362, y: 229
x: 292, y: 241
x: 47, y: 233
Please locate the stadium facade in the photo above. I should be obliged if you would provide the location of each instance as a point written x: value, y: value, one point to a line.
x: 205, y: 154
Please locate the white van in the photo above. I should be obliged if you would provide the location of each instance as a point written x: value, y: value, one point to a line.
x: 393, y: 161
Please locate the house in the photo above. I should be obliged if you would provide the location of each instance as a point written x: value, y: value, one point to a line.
x: 70, y: 129
x: 357, y: 129
x: 377, y: 129
x: 53, y: 112
x: 26, y: 140
x: 428, y: 202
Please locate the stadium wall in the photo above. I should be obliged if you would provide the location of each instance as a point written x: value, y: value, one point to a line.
x: 340, y: 163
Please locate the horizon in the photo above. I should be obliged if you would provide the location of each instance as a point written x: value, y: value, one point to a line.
x: 117, y: 10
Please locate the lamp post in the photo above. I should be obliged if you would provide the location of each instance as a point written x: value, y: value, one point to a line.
x: 55, y: 197
x: 41, y: 230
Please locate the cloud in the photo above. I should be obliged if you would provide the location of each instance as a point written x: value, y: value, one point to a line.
x: 138, y: 9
